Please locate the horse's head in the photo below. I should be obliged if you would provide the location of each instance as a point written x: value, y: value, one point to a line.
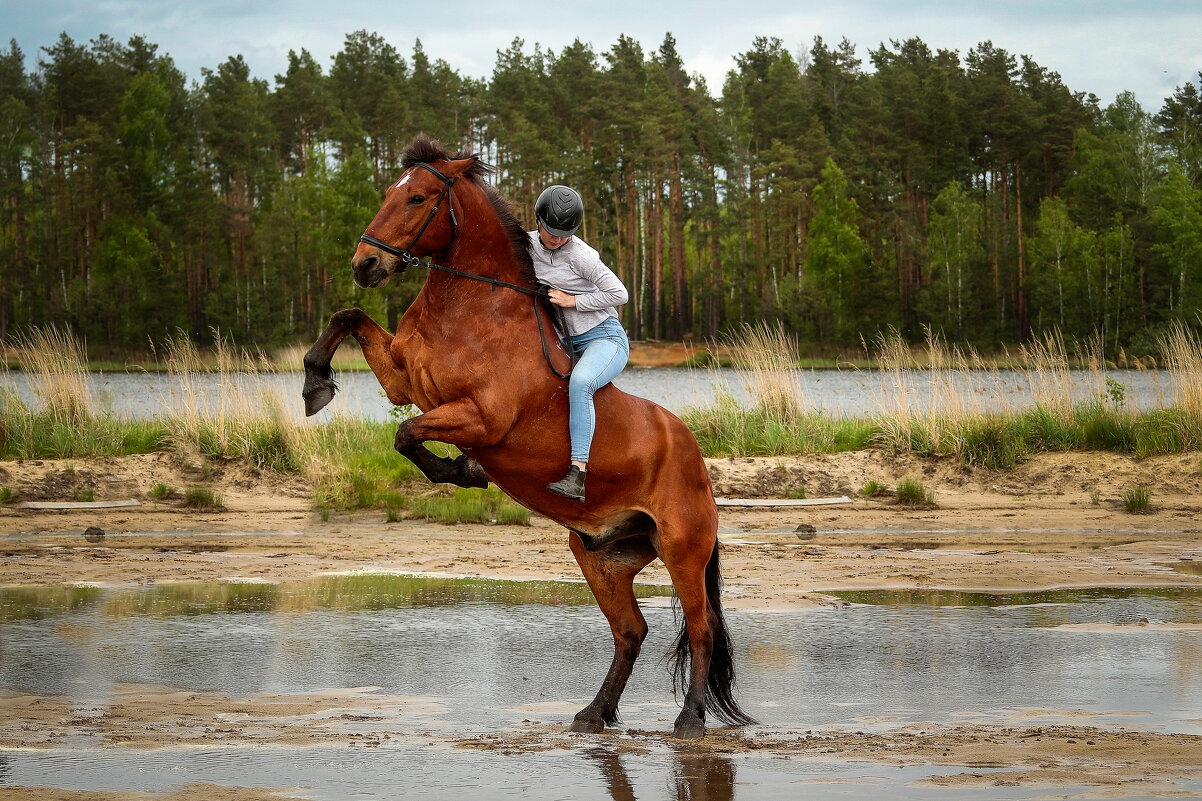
x: 418, y: 218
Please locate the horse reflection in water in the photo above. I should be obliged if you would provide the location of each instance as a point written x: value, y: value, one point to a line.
x: 695, y: 777
x: 472, y: 353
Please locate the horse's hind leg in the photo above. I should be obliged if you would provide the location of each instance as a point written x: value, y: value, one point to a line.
x: 704, y: 651
x: 610, y: 575
x: 687, y: 568
x: 372, y: 338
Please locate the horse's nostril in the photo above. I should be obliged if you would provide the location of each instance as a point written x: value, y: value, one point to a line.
x: 368, y: 263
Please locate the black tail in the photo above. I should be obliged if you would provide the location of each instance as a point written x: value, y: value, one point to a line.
x: 719, y: 697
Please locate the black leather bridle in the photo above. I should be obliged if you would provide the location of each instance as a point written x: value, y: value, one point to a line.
x: 410, y: 260
x: 406, y: 255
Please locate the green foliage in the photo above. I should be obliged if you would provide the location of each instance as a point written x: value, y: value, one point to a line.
x: 1116, y: 392
x: 203, y: 498
x: 1061, y: 278
x: 912, y: 492
x: 471, y: 506
x: 957, y: 260
x: 727, y: 429
x: 974, y: 193
x: 1176, y: 217
x: 29, y: 434
x: 1137, y: 500
x: 6, y: 494
x: 162, y: 490
x: 837, y: 266
x: 872, y: 488
x: 992, y: 442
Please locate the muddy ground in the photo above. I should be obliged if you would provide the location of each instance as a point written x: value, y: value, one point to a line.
x: 1056, y: 521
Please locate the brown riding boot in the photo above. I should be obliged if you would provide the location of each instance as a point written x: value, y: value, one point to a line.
x: 570, y: 486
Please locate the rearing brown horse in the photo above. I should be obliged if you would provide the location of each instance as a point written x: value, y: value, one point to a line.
x: 468, y: 354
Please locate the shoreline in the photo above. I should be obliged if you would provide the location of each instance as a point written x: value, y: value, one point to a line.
x: 1031, y: 528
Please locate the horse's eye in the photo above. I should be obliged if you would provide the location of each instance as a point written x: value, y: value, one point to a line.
x: 416, y: 200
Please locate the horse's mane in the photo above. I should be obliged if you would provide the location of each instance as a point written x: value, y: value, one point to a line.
x: 425, y: 149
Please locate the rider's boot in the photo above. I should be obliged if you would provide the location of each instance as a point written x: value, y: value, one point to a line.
x: 570, y: 486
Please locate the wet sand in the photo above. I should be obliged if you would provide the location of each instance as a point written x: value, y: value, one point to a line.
x: 1054, y: 522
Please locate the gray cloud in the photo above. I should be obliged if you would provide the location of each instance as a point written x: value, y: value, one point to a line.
x: 1100, y: 47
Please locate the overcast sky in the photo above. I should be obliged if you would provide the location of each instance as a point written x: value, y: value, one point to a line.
x: 1103, y: 47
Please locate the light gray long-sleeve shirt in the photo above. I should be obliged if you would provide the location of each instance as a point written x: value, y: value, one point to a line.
x: 577, y: 269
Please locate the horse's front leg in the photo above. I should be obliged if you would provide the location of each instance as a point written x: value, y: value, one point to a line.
x: 610, y: 575
x: 372, y: 338
x: 459, y: 423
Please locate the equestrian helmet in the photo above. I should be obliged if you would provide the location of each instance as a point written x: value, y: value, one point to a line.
x: 560, y: 210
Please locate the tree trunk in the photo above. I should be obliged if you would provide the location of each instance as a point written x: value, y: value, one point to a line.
x: 683, y: 316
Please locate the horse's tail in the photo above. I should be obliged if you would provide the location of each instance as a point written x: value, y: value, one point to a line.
x: 719, y: 697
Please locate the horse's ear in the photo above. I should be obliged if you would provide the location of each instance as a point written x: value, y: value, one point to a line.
x: 457, y: 167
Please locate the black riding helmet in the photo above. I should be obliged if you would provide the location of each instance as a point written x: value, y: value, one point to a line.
x: 560, y: 210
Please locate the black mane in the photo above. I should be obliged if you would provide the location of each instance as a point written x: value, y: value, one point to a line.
x: 425, y: 149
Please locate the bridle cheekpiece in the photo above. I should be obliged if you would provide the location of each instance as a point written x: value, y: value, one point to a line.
x: 406, y: 255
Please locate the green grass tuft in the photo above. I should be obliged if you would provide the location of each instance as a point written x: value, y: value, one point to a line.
x: 203, y: 498
x: 912, y: 492
x: 1137, y: 500
x: 471, y: 506
x: 6, y: 494
x: 726, y: 429
x: 873, y: 488
x: 162, y: 490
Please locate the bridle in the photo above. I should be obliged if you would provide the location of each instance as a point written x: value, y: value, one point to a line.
x: 410, y: 260
x: 406, y: 255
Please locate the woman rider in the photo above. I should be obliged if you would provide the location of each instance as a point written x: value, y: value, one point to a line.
x: 588, y: 292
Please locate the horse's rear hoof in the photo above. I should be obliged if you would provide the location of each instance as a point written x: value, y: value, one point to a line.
x: 691, y: 730
x: 586, y: 726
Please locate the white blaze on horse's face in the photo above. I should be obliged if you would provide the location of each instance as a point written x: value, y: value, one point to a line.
x: 404, y: 178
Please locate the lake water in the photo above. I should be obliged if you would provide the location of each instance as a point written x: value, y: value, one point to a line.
x: 837, y: 392
x: 502, y: 656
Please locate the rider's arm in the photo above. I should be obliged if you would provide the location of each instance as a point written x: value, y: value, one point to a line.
x: 610, y: 289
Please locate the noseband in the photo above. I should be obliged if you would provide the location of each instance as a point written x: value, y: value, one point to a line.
x: 406, y: 255
x: 409, y: 260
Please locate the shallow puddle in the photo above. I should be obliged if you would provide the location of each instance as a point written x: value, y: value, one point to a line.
x: 456, y: 658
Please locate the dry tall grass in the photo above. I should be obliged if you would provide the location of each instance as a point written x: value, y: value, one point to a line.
x: 767, y: 358
x: 934, y: 401
x: 56, y: 365
x: 1066, y: 402
x: 244, y: 417
x: 347, y: 357
x: 1181, y: 349
x: 927, y: 408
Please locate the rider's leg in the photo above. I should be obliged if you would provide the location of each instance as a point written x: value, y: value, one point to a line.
x: 603, y: 358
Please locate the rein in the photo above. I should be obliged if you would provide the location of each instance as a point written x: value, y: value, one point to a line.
x: 410, y: 260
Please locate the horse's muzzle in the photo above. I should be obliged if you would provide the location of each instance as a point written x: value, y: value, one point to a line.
x: 372, y: 271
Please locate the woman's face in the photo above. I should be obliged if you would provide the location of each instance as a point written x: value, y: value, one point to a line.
x: 551, y: 241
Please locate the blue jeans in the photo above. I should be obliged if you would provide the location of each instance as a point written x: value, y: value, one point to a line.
x: 603, y: 351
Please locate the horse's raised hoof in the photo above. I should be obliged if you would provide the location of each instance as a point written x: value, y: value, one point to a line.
x: 318, y: 392
x: 587, y: 726
x: 469, y: 472
x: 689, y: 730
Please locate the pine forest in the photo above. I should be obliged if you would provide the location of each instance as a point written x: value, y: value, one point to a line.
x: 973, y: 195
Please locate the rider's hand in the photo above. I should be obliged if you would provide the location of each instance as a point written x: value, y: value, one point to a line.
x: 562, y: 299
